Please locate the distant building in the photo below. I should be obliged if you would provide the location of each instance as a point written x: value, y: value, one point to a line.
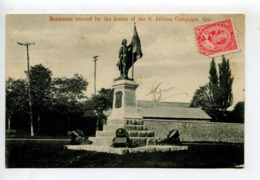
x: 170, y: 111
x: 151, y: 110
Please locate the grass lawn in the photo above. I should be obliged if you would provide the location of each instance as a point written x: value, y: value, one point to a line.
x: 50, y: 154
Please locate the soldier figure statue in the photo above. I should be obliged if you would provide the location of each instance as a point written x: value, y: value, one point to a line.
x: 124, y: 59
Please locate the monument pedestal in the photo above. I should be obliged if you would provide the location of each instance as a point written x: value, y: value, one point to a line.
x: 124, y: 101
x: 125, y: 115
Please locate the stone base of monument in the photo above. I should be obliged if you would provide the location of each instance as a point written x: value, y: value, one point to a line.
x: 136, y: 132
x: 112, y: 150
x: 125, y: 115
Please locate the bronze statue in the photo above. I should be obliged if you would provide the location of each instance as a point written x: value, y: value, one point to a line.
x: 125, y: 61
x: 128, y: 55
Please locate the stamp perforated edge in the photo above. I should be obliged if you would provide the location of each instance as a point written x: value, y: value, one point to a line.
x: 222, y: 53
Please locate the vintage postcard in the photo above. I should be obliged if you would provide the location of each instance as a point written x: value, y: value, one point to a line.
x: 125, y: 90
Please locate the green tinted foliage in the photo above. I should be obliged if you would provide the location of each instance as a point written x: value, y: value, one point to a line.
x: 201, y: 97
x: 216, y: 96
x: 225, y: 84
x: 16, y: 95
x: 238, y: 114
x: 66, y: 90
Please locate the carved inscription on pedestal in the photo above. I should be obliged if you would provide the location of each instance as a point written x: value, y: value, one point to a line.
x: 118, y: 103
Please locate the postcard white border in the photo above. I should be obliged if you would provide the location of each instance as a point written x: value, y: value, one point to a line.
x: 251, y: 10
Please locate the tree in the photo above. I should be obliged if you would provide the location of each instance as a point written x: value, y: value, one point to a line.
x: 88, y: 120
x: 216, y: 96
x: 213, y: 84
x: 201, y: 98
x: 66, y: 92
x: 225, y: 85
x: 100, y: 103
x: 238, y: 113
x: 108, y: 94
x: 16, y: 101
x: 40, y: 78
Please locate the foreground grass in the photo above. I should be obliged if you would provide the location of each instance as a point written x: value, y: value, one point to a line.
x: 50, y: 154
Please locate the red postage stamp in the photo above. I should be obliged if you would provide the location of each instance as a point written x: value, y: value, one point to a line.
x: 218, y: 38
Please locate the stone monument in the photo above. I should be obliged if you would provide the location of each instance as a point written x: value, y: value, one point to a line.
x: 124, y: 111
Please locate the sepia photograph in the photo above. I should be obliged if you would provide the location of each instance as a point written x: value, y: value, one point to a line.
x: 124, y: 90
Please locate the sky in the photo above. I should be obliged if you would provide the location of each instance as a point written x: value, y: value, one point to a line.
x: 170, y: 56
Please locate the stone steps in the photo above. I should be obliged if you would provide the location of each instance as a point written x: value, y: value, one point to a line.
x: 137, y: 132
x: 134, y: 122
x: 127, y: 127
x: 143, y: 133
x: 140, y: 141
x: 125, y: 122
x: 146, y: 133
x: 135, y: 127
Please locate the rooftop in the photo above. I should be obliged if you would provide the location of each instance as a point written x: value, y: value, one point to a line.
x: 168, y: 110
